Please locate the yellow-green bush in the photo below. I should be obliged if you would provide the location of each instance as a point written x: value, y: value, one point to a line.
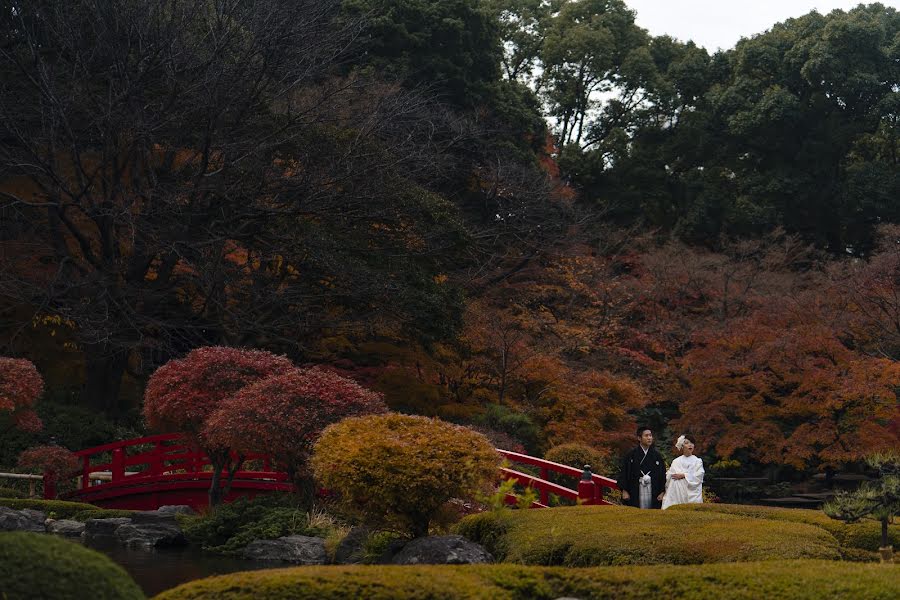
x: 791, y: 580
x: 65, y: 510
x: 581, y: 536
x: 398, y: 470
x: 578, y: 455
x: 50, y: 568
x: 865, y: 535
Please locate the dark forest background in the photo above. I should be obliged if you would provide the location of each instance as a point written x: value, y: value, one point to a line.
x: 528, y: 216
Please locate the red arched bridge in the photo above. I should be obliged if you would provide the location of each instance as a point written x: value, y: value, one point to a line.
x: 146, y: 473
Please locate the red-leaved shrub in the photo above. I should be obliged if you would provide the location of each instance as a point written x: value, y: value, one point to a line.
x: 284, y: 414
x: 52, y: 460
x: 183, y: 393
x: 20, y: 387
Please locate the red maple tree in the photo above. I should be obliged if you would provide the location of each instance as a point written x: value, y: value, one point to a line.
x: 20, y: 387
x: 284, y: 414
x: 785, y: 389
x: 52, y: 460
x: 182, y: 395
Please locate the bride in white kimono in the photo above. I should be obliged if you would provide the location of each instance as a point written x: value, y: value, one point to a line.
x: 684, y: 479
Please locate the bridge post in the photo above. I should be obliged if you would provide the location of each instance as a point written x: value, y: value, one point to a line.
x: 85, y: 472
x: 49, y: 486
x: 545, y: 496
x: 587, y: 489
x: 118, y: 464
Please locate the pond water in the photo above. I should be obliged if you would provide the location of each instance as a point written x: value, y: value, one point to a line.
x: 156, y: 570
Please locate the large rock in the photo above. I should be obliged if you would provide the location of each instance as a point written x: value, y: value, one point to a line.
x: 34, y: 515
x: 151, y: 530
x: 392, y: 549
x: 442, y: 550
x: 297, y: 549
x: 100, y: 529
x: 21, y: 520
x: 176, y: 509
x: 151, y: 517
x: 351, y: 549
x: 66, y: 527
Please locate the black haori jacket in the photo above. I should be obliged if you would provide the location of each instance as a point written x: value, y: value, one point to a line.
x: 634, y: 464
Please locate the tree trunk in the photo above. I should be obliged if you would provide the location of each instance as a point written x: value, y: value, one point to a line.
x: 419, y: 526
x: 103, y: 371
x: 215, y: 491
x: 887, y: 550
x: 232, y: 471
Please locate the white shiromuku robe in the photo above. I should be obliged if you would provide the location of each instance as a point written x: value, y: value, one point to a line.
x: 687, y: 490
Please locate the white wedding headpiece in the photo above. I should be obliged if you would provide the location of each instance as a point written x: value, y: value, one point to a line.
x: 680, y: 443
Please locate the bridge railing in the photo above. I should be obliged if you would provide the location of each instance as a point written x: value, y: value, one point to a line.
x: 589, y: 490
x: 170, y: 460
x: 165, y: 457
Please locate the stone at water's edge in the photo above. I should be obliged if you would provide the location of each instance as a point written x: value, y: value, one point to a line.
x: 297, y: 549
x: 442, y: 550
x: 176, y: 509
x: 99, y: 529
x: 34, y: 515
x: 151, y: 529
x: 21, y: 520
x: 66, y: 527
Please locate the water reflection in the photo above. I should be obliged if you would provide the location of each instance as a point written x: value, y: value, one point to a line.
x: 156, y: 570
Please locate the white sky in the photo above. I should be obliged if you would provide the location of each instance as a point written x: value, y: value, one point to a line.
x: 717, y: 24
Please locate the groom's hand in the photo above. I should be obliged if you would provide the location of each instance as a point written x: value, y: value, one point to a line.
x: 626, y: 495
x: 660, y: 497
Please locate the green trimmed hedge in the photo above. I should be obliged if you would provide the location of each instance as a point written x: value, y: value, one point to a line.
x: 791, y: 580
x: 65, y: 510
x: 233, y: 525
x: 865, y: 535
x: 50, y: 568
x: 583, y: 536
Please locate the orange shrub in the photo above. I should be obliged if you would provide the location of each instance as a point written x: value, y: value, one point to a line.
x: 398, y: 470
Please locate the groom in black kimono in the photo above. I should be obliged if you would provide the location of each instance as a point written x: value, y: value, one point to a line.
x: 643, y: 470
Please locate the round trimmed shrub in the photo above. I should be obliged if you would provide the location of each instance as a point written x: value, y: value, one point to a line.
x: 577, y: 455
x: 784, y: 580
x: 47, y: 567
x: 865, y: 535
x: 583, y: 536
x: 397, y: 471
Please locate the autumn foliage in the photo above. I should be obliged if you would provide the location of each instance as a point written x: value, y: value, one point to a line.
x: 53, y: 460
x: 20, y: 387
x: 788, y: 391
x: 284, y: 414
x: 182, y: 395
x: 398, y: 470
